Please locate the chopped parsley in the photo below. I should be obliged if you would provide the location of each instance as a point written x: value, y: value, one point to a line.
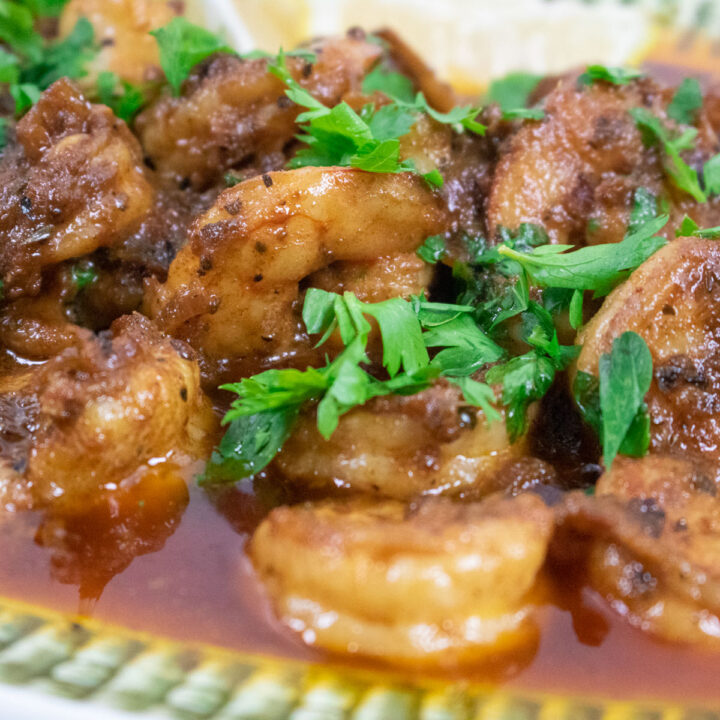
x: 33, y: 64
x: 689, y: 228
x: 612, y: 75
x: 433, y: 249
x: 339, y: 136
x: 125, y: 99
x: 263, y: 415
x: 528, y: 377
x: 393, y: 84
x: 596, y: 267
x: 524, y: 114
x: 83, y: 276
x: 4, y: 131
x: 654, y: 132
x: 614, y: 404
x: 644, y: 209
x: 182, y: 46
x: 513, y: 91
x: 711, y: 175
x: 686, y: 102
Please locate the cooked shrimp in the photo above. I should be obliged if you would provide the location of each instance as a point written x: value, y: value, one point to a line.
x: 440, y: 583
x: 399, y: 447
x: 76, y: 182
x: 651, y: 541
x: 234, y: 291
x: 585, y: 161
x: 672, y: 302
x: 233, y: 112
x: 92, y: 416
x: 122, y: 30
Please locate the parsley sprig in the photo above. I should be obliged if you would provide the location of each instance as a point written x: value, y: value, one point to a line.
x: 31, y: 64
x: 339, y: 136
x: 654, y: 132
x: 596, y: 267
x: 613, y: 404
x: 264, y: 414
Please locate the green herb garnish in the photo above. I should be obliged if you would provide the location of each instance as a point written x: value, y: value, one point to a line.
x: 83, y: 276
x: 512, y: 91
x: 182, y: 46
x: 654, y: 132
x: 689, y: 228
x: 433, y: 249
x: 711, y: 175
x: 625, y: 375
x: 596, y: 267
x: 612, y: 75
x: 528, y: 377
x: 644, y: 209
x: 686, y: 101
x: 268, y: 404
x: 34, y: 65
x: 393, y: 84
x: 125, y: 99
x: 339, y: 136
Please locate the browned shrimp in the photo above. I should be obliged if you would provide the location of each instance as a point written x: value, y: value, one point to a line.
x: 400, y: 447
x: 233, y: 113
x: 585, y: 161
x: 234, y: 292
x: 74, y: 183
x: 437, y: 583
x: 89, y: 418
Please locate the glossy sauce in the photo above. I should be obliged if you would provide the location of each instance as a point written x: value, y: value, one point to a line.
x: 200, y: 587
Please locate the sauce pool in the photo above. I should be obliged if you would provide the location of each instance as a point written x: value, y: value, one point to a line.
x: 199, y: 586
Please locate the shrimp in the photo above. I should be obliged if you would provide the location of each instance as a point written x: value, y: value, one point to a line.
x: 234, y: 113
x: 122, y: 30
x: 585, y: 161
x: 74, y: 183
x: 671, y: 301
x: 399, y: 447
x: 90, y: 417
x: 650, y: 541
x: 234, y: 292
x: 437, y: 583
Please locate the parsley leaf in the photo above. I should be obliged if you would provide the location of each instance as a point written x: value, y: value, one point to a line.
x: 586, y: 390
x: 249, y: 444
x: 17, y: 29
x: 711, y: 175
x: 339, y: 136
x: 182, y: 46
x: 644, y: 209
x: 433, y: 249
x: 524, y: 114
x: 125, y: 99
x: 393, y: 84
x: 262, y: 416
x: 612, y: 75
x: 625, y: 375
x: 66, y: 58
x: 689, y: 228
x: 682, y: 175
x: 686, y: 101
x: 528, y: 377
x: 83, y: 276
x: 4, y: 131
x: 37, y: 65
x: 513, y: 91
x: 595, y: 267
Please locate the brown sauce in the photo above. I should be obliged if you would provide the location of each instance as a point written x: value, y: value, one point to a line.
x: 200, y: 587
